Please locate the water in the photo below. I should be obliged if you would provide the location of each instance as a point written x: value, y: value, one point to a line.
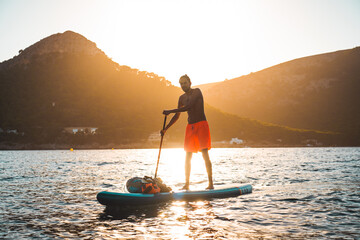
x: 298, y: 193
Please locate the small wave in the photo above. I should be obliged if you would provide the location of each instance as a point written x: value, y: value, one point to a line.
x: 354, y: 200
x: 288, y: 199
x: 238, y: 208
x: 310, y: 197
x: 252, y: 178
x: 224, y: 218
x: 104, y: 163
x: 299, y: 180
x: 7, y: 179
x: 307, y: 198
x: 334, y: 199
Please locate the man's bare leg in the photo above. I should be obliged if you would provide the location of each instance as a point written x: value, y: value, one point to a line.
x: 208, y: 165
x: 187, y: 170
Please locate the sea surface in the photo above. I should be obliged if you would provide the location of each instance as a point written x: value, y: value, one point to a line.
x: 298, y: 193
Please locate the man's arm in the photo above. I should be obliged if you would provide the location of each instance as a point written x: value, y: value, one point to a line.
x: 173, y: 119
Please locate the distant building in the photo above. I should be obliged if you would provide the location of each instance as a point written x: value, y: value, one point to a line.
x: 313, y: 142
x: 14, y: 131
x: 236, y: 141
x: 74, y: 130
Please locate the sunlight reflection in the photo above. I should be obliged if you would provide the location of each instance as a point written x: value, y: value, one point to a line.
x: 191, y: 220
x: 178, y: 222
x: 172, y: 168
x: 172, y: 163
x: 188, y: 219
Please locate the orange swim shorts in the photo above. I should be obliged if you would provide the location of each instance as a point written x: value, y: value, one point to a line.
x: 197, y: 137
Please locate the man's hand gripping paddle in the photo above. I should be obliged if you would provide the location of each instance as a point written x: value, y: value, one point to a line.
x: 162, y: 136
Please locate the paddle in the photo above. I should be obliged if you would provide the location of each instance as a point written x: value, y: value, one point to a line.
x: 162, y: 136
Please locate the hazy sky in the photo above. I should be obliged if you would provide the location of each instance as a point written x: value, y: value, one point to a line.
x: 209, y: 40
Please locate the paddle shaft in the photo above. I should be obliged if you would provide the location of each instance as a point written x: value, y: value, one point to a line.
x: 162, y: 137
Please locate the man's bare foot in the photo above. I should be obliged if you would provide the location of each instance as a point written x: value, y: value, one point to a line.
x: 210, y: 187
x: 185, y: 187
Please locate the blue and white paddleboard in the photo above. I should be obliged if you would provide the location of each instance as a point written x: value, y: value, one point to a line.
x: 133, y: 199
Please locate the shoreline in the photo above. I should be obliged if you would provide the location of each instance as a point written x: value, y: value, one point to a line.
x: 95, y: 146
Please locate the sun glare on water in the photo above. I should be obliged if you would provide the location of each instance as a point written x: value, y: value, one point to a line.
x: 172, y: 168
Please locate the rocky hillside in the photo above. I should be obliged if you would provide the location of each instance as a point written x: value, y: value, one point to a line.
x: 64, y: 81
x: 318, y: 92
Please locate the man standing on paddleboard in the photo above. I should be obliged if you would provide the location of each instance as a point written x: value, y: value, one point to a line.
x: 197, y: 136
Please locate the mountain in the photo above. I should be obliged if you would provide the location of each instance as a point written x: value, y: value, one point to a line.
x: 64, y: 81
x: 67, y: 42
x: 317, y: 92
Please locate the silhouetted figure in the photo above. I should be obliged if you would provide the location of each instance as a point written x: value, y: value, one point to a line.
x: 197, y: 136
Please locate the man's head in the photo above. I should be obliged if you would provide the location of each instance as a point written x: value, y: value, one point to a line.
x: 185, y: 83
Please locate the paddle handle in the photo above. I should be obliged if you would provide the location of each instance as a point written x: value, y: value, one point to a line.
x: 161, y: 140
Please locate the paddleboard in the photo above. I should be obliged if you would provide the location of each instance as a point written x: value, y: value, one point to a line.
x: 138, y: 199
